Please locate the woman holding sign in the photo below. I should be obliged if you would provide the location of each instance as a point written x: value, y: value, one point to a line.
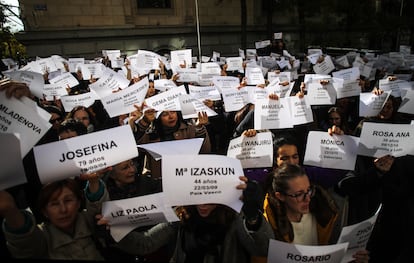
x: 123, y: 182
x: 169, y: 126
x: 302, y: 213
x: 210, y: 233
x: 67, y: 232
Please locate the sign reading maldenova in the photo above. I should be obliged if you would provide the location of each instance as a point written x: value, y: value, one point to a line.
x: 18, y: 117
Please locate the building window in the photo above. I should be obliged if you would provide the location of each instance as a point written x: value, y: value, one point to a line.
x: 154, y: 3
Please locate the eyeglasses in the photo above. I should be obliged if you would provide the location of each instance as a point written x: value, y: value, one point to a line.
x: 300, y: 197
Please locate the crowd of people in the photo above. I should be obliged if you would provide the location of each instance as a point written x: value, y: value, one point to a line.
x: 287, y: 201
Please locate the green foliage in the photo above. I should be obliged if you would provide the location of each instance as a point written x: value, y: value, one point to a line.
x: 10, y: 47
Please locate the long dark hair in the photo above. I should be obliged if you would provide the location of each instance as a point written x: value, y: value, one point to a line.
x: 281, y: 176
x: 161, y: 132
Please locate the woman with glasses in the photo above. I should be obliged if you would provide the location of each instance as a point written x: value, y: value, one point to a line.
x: 293, y: 208
x: 302, y: 213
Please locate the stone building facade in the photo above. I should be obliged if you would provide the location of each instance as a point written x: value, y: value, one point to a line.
x: 84, y: 27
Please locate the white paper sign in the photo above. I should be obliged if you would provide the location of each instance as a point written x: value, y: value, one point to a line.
x: 286, y: 252
x: 283, y: 76
x: 379, y: 139
x: 93, y: 70
x: 343, y: 61
x: 262, y: 44
x: 164, y: 84
x: 148, y: 59
x: 12, y: 170
x: 84, y: 99
x: 210, y: 68
x: 272, y: 114
x: 204, y: 92
x: 74, y: 62
x: 190, y: 75
x: 175, y: 147
x: 301, y: 112
x: 349, y: 74
x: 180, y: 57
x: 50, y: 90
x: 281, y: 91
x: 225, y: 82
x: 109, y: 82
x: 324, y: 67
x: 123, y: 102
x: 256, y: 93
x: 336, y: 151
x: 167, y: 100
x: 234, y: 99
x: 370, y: 104
x: 84, y: 154
x: 111, y: 53
x: 202, y: 179
x: 319, y: 94
x: 254, y: 151
x: 254, y: 76
x: 127, y: 214
x: 17, y: 117
x: 66, y: 79
x: 357, y: 235
x: 407, y: 103
x: 234, y: 63
x: 34, y: 81
x: 190, y: 107
x: 347, y: 89
x: 395, y: 86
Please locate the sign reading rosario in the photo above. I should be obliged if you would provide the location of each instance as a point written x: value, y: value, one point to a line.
x: 286, y: 252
